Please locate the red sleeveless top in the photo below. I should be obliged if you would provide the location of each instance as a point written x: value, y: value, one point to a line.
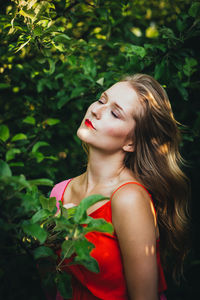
x: 109, y: 283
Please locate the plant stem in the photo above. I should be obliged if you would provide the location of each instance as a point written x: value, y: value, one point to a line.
x: 58, y: 266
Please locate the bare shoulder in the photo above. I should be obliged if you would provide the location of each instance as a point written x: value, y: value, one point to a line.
x: 77, y: 179
x: 132, y: 203
x: 130, y: 195
x: 76, y: 183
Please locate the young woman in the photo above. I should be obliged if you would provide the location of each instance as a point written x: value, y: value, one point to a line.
x: 132, y: 140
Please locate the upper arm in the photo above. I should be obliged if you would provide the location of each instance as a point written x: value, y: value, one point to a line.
x: 134, y: 223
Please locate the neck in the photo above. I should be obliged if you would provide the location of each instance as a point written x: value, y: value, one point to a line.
x: 103, y: 169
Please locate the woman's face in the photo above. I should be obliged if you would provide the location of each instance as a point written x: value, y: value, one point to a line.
x: 108, y: 123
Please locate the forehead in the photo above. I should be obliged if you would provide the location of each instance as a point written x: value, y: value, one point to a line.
x: 124, y: 95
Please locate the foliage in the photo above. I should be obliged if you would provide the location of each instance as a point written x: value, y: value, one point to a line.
x: 65, y: 230
x: 56, y: 58
x: 36, y: 227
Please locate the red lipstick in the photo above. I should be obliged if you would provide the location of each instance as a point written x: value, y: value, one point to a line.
x: 88, y: 123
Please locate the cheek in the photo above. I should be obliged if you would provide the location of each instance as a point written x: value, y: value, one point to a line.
x: 117, y: 132
x: 121, y: 132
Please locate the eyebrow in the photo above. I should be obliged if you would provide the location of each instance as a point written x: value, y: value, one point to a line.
x: 117, y: 105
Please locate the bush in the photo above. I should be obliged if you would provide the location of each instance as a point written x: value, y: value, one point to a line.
x: 56, y: 58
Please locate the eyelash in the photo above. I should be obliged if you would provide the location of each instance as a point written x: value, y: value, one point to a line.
x: 100, y: 101
x: 114, y: 115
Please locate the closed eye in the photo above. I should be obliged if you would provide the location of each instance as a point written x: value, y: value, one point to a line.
x: 114, y: 115
x: 100, y: 101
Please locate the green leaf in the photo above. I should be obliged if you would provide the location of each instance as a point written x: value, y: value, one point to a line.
x: 85, y: 204
x: 72, y: 60
x: 160, y: 69
x: 40, y: 215
x: 23, y: 45
x: 38, y: 145
x: 83, y: 248
x: 27, y: 13
x: 29, y: 120
x: 50, y: 29
x: 20, y: 181
x: 52, y: 121
x: 31, y: 3
x: 151, y: 32
x: 67, y: 248
x: 189, y: 66
x: 16, y: 164
x: 60, y: 47
x: 168, y: 33
x: 51, y: 157
x: 39, y: 156
x: 35, y: 230
x: 38, y: 31
x: 182, y: 90
x: 64, y: 212
x: 52, y: 66
x: 90, y: 263
x: 62, y: 101
x: 41, y: 181
x: 89, y: 66
x: 4, y: 169
x: 133, y: 49
x: 48, y: 203
x: 4, y: 86
x: 63, y: 283
x: 10, y: 154
x: 188, y: 137
x: 77, y: 92
x: 62, y: 38
x: 18, y: 137
x: 43, y: 251
x: 194, y: 10
x: 62, y: 224
x: 4, y: 132
x: 98, y: 225
x: 71, y: 211
x: 42, y: 7
x: 181, y: 24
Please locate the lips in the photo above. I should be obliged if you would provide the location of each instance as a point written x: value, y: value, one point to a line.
x: 89, y: 124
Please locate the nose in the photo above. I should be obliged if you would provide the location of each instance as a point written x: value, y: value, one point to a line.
x: 97, y: 111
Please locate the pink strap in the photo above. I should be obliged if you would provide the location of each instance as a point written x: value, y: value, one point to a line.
x: 58, y: 191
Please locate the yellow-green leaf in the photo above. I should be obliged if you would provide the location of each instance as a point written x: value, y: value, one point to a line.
x: 29, y: 120
x: 52, y: 121
x: 19, y: 136
x: 4, y: 132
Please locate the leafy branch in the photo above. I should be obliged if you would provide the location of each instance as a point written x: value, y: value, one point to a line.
x: 48, y: 233
x: 37, y: 26
x: 65, y: 229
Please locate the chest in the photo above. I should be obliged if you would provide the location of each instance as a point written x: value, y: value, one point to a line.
x: 74, y: 195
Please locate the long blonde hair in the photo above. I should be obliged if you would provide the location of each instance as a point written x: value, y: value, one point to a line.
x: 156, y: 162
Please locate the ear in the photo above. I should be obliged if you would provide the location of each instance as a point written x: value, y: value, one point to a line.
x: 128, y: 147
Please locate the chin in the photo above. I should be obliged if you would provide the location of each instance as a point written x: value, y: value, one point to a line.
x: 78, y: 132
x: 82, y: 134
